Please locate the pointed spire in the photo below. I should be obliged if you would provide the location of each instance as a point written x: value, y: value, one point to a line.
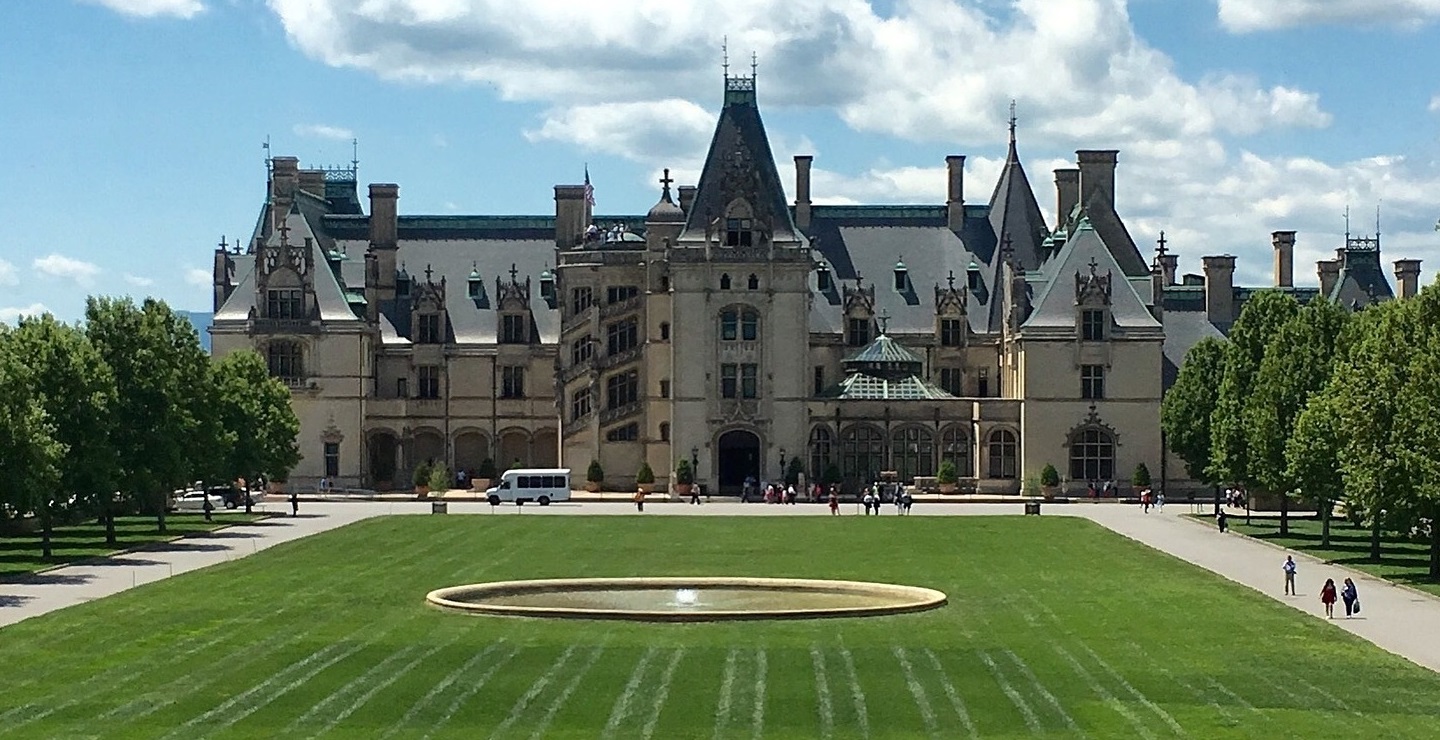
x: 1012, y: 124
x: 884, y: 320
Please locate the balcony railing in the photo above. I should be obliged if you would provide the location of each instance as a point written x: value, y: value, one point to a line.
x: 575, y: 321
x: 624, y: 412
x: 625, y: 306
x: 629, y: 355
x: 284, y: 326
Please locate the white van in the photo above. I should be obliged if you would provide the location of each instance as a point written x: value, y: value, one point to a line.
x: 523, y: 485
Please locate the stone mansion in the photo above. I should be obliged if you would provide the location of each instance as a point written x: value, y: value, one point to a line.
x: 734, y: 327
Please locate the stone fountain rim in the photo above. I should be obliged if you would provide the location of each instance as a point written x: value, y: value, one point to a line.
x: 903, y: 599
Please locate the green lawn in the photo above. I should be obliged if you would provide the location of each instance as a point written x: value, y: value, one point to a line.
x: 1401, y: 561
x: 1054, y: 627
x: 21, y: 554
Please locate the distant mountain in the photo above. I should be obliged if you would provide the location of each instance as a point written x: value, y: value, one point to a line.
x: 201, y: 321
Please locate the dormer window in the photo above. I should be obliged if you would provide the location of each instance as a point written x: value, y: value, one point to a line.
x: 286, y: 303
x: 857, y: 332
x: 402, y: 284
x: 952, y: 333
x: 547, y: 285
x: 823, y: 279
x: 972, y: 277
x: 475, y: 286
x: 902, y: 277
x: 1092, y: 324
x: 428, y: 329
x: 514, y: 329
x: 725, y: 282
x: 739, y: 232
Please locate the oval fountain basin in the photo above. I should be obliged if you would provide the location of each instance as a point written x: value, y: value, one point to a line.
x: 684, y: 599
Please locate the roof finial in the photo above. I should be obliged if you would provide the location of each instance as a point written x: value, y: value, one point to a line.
x: 725, y: 55
x: 428, y: 272
x: 665, y: 182
x: 754, y: 63
x: 355, y: 158
x: 513, y: 272
x: 884, y: 319
x: 285, y: 233
x: 1347, y: 224
x: 1093, y: 266
x: 951, y: 279
x: 1160, y: 250
x: 1012, y: 120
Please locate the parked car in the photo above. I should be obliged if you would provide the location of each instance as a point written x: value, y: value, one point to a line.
x: 195, y: 501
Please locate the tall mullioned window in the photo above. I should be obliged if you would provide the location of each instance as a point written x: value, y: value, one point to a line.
x: 580, y: 404
x: 622, y: 389
x: 1092, y: 456
x: 581, y: 299
x: 514, y: 329
x: 622, y: 336
x: 1004, y: 454
x: 857, y: 332
x: 1092, y: 325
x: 429, y: 329
x: 952, y: 333
x: 952, y: 381
x: 429, y: 385
x: 285, y: 303
x: 1092, y: 382
x: 512, y: 381
x: 286, y: 360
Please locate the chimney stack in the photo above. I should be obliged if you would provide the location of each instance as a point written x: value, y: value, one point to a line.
x: 1067, y: 194
x: 284, y: 180
x: 1284, y: 243
x: 1097, y: 172
x: 1329, y: 274
x: 313, y: 182
x: 572, y: 215
x: 955, y: 192
x: 384, y: 219
x: 687, y: 198
x: 1169, y: 265
x: 802, y: 190
x: 1407, y: 277
x: 1220, y: 289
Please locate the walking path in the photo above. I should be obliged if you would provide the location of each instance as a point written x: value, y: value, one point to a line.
x: 1397, y: 619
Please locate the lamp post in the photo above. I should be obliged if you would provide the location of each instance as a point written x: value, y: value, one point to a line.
x: 782, y: 465
x: 695, y: 465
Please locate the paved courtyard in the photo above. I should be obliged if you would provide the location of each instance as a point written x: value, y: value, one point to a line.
x: 1397, y: 619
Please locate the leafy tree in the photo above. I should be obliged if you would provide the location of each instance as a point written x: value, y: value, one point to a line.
x: 257, y: 428
x: 793, y: 471
x: 1296, y: 365
x: 440, y: 480
x: 1189, y: 405
x: 645, y: 475
x: 30, y: 456
x: 1260, y: 320
x: 1049, y: 476
x: 1141, y: 477
x: 1312, y: 458
x: 1420, y: 458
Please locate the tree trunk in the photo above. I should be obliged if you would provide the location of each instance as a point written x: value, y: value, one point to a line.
x: 110, y: 539
x: 160, y: 513
x: 1217, y: 500
x: 46, y: 525
x: 1325, y: 511
x: 1375, y: 537
x: 1284, y: 514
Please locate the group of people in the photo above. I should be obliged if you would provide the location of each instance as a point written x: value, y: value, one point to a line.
x: 1149, y: 499
x: 874, y: 497
x: 1329, y: 593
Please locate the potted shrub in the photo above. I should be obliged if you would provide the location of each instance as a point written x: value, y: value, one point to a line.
x: 1140, y: 479
x: 793, y: 471
x: 948, y: 477
x: 421, y: 480
x: 1049, y: 480
x: 831, y: 476
x: 645, y: 478
x: 485, y: 476
x: 684, y: 478
x: 439, y: 485
x: 594, y: 477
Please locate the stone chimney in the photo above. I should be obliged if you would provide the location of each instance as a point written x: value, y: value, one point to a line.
x: 284, y: 180
x: 1169, y: 265
x: 384, y: 218
x: 1157, y: 289
x: 1329, y: 274
x: 313, y: 182
x: 1067, y: 194
x: 955, y: 192
x: 802, y: 190
x: 1284, y: 243
x: 687, y: 198
x: 1097, y: 172
x: 572, y: 215
x: 1220, y: 289
x: 1407, y: 278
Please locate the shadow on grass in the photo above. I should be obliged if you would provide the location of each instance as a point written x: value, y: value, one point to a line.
x: 49, y: 579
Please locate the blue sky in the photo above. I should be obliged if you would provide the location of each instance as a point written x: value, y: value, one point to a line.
x: 131, y: 129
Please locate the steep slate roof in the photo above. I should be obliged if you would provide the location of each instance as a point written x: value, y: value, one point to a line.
x: 329, y: 294
x: 1014, y: 212
x: 1362, y: 279
x: 739, y: 164
x: 1054, y: 308
x: 1100, y: 212
x: 1183, y: 330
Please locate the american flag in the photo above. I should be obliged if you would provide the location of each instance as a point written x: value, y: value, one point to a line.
x: 589, y: 190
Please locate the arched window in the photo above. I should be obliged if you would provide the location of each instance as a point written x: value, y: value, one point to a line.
x: 736, y: 323
x: 862, y: 453
x: 955, y: 447
x: 1004, y: 454
x: 753, y: 282
x: 729, y: 325
x: 749, y: 325
x: 820, y: 459
x: 725, y: 281
x: 1092, y: 456
x: 286, y: 360
x: 912, y: 453
x: 664, y: 431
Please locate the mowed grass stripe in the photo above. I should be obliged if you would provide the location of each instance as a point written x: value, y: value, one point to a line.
x: 1105, y: 695
x: 957, y: 704
x: 661, y: 694
x: 622, y: 704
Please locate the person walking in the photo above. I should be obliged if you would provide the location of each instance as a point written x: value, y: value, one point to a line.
x: 868, y: 501
x: 834, y: 503
x: 1160, y: 502
x: 639, y: 500
x: 294, y: 503
x: 1351, y: 597
x: 1327, y: 597
x: 909, y: 501
x: 1222, y: 521
x: 1289, y: 568
x: 209, y: 508
x: 695, y: 494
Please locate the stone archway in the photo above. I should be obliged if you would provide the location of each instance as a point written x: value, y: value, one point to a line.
x: 382, y: 463
x: 545, y: 449
x: 427, y: 447
x: 737, y: 458
x: 514, y: 446
x: 471, y: 449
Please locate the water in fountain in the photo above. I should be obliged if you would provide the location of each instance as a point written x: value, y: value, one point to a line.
x: 687, y: 597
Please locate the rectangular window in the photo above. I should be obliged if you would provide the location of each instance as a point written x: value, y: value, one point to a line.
x: 622, y: 336
x: 664, y: 389
x: 1092, y: 325
x: 749, y: 326
x: 729, y: 325
x: 983, y: 384
x: 512, y: 382
x: 627, y: 433
x: 749, y: 381
x: 580, y: 404
x: 664, y: 331
x: 952, y: 381
x: 951, y: 333
x: 429, y: 381
x: 332, y: 459
x: 819, y: 379
x: 622, y: 389
x: 514, y: 329
x: 620, y: 293
x: 738, y: 232
x: 1092, y: 381
x: 285, y: 304
x: 581, y: 299
x: 582, y: 350
x: 402, y: 387
x: 429, y: 329
x: 858, y: 332
x: 729, y: 380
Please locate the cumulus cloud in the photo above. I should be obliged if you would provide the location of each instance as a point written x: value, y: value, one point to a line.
x: 58, y: 265
x: 8, y: 274
x: 323, y: 131
x: 139, y: 282
x: 10, y: 314
x: 154, y: 8
x: 1434, y: 106
x: 1244, y: 16
x: 199, y: 277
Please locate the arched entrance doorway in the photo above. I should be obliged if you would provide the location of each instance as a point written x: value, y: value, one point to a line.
x: 383, y: 446
x: 738, y: 458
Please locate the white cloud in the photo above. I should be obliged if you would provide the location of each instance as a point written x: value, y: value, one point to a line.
x: 323, y: 131
x: 8, y: 274
x: 58, y: 265
x: 652, y: 130
x: 1434, y: 106
x: 199, y: 277
x: 154, y: 8
x: 1243, y: 16
x: 139, y: 282
x: 9, y: 314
